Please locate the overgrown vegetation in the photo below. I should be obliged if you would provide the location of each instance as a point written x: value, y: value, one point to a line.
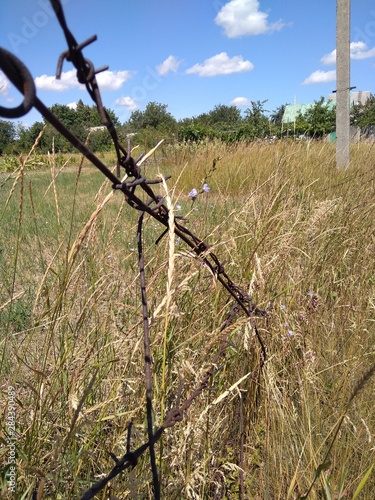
x: 294, y: 231
x: 225, y: 123
x: 363, y: 115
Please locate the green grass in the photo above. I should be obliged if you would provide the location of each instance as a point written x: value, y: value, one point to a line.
x: 295, y: 233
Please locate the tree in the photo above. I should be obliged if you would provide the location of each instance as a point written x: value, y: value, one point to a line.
x: 86, y: 116
x: 225, y: 115
x: 79, y: 120
x: 363, y: 115
x: 155, y: 116
x: 65, y: 114
x: 195, y: 133
x: 203, y: 120
x: 276, y: 116
x: 7, y: 136
x: 300, y: 126
x: 256, y: 118
x: 27, y: 136
x: 320, y: 119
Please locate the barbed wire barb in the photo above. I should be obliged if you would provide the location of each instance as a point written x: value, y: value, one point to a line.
x: 20, y: 76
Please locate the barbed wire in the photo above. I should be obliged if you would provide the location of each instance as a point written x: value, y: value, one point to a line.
x: 20, y: 76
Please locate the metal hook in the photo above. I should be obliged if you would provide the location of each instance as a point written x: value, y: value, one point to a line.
x: 20, y: 76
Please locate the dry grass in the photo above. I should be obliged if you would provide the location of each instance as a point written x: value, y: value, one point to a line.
x: 296, y: 233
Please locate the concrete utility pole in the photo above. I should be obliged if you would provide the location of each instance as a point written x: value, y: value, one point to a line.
x: 342, y: 83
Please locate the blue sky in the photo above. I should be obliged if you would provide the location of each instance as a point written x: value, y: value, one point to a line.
x: 190, y: 55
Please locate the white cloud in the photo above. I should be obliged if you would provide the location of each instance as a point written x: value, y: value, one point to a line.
x: 243, y: 17
x: 4, y: 84
x: 329, y: 59
x: 129, y: 103
x: 170, y: 64
x: 112, y: 80
x: 358, y: 50
x: 107, y: 80
x: 72, y: 105
x: 67, y: 81
x: 320, y: 77
x: 221, y: 64
x: 240, y: 102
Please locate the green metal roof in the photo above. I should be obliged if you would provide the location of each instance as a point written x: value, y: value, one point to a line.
x: 293, y: 110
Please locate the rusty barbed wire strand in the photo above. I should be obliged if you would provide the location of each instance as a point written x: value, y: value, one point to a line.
x: 174, y: 416
x: 19, y: 75
x: 200, y: 248
x: 147, y: 354
x: 86, y: 75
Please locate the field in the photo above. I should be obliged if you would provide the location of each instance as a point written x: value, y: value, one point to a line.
x: 296, y: 233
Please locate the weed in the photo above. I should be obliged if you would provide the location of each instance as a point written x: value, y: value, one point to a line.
x: 294, y: 231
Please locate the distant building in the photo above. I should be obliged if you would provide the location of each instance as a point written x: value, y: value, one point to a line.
x: 95, y: 129
x: 359, y: 97
x: 292, y: 111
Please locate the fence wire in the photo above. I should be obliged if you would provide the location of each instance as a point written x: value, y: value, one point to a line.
x: 155, y: 207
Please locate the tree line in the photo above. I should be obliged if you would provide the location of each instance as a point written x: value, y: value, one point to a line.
x: 223, y: 122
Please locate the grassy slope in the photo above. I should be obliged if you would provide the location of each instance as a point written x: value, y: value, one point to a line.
x: 296, y: 233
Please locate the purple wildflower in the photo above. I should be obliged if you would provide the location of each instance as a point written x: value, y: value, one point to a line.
x: 206, y: 188
x: 193, y: 194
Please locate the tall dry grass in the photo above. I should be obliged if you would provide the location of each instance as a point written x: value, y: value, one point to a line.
x: 296, y: 233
